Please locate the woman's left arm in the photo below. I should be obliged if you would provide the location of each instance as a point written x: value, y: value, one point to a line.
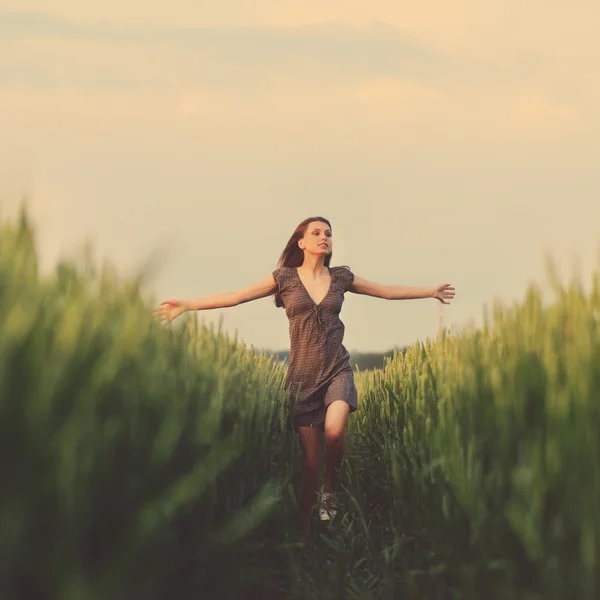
x: 442, y: 292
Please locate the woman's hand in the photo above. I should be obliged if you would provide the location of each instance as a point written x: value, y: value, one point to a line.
x: 444, y: 292
x: 170, y: 309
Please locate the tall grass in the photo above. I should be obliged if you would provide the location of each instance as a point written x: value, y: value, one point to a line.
x: 137, y: 461
x: 483, y: 451
x: 147, y: 462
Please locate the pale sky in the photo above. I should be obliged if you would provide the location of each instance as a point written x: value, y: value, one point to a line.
x: 446, y: 142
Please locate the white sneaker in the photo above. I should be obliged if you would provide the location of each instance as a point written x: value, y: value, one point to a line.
x: 328, y: 508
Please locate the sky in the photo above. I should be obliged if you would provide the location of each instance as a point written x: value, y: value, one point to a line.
x: 446, y: 142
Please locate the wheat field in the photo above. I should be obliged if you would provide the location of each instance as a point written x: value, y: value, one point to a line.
x: 149, y: 462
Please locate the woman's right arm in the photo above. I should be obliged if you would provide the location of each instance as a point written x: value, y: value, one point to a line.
x: 171, y: 309
x: 261, y: 289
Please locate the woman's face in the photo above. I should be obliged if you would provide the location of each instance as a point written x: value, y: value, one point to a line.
x: 317, y: 239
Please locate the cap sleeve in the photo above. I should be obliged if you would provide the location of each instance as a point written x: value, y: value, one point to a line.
x: 280, y: 277
x: 347, y: 277
x: 276, y: 274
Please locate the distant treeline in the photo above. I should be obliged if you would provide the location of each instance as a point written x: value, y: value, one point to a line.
x: 364, y: 360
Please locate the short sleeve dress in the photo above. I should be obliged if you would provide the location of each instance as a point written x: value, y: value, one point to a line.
x: 319, y: 370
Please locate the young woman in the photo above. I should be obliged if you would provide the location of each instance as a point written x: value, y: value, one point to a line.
x: 319, y: 375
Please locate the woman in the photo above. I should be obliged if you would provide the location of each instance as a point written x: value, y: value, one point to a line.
x: 319, y: 375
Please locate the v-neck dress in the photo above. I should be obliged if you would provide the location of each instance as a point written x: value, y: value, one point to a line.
x: 319, y: 370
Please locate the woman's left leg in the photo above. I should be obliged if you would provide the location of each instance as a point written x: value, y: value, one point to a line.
x: 310, y: 441
x: 335, y: 424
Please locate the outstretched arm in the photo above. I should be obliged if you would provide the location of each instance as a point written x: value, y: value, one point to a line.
x: 171, y: 309
x: 264, y: 287
x: 442, y: 292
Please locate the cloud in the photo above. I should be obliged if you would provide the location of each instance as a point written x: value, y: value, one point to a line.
x: 530, y: 109
x: 240, y: 58
x: 469, y: 26
x: 293, y: 78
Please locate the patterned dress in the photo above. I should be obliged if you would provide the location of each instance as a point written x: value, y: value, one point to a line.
x: 319, y: 370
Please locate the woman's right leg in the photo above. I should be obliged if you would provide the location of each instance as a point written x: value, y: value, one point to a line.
x: 310, y: 440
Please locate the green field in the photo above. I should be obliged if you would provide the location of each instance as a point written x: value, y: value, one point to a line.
x: 142, y: 462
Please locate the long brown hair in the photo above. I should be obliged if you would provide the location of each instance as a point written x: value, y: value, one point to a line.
x: 293, y: 255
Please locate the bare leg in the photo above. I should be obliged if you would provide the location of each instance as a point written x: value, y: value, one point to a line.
x: 310, y: 440
x: 335, y: 423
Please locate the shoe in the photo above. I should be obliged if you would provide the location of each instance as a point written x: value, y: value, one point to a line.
x: 328, y: 508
